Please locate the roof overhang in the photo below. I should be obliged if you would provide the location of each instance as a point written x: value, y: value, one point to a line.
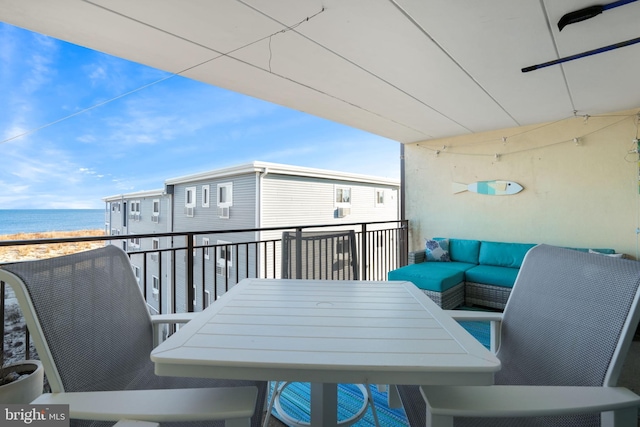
x: 407, y: 70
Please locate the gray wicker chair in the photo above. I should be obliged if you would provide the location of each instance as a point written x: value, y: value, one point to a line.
x: 324, y: 255
x: 565, y: 333
x: 93, y: 333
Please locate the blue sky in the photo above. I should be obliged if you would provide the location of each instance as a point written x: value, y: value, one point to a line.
x: 174, y: 128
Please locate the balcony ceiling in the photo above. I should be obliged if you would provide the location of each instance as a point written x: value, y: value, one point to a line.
x: 408, y: 70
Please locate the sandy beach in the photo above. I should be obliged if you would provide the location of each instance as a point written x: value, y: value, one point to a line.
x: 29, y: 252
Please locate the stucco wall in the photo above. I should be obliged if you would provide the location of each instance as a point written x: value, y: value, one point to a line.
x: 583, y: 195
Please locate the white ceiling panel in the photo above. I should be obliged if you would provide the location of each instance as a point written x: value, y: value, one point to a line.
x: 376, y: 38
x: 493, y: 44
x: 597, y: 82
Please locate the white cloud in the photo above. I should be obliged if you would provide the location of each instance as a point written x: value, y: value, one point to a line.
x: 40, y: 63
x: 87, y: 138
x: 97, y: 74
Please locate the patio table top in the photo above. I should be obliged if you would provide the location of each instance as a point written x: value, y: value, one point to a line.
x: 327, y: 332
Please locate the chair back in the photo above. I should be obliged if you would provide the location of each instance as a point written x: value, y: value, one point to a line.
x: 569, y: 320
x: 324, y: 255
x: 88, y: 319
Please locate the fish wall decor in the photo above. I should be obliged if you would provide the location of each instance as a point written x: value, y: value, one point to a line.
x: 491, y: 188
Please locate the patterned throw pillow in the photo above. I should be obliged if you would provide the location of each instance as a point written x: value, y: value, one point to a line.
x: 437, y: 250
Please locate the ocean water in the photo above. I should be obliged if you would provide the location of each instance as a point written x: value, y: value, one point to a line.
x: 36, y: 220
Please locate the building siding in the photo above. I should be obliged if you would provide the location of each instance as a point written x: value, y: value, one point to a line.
x: 242, y: 215
x: 296, y: 201
x: 263, y: 195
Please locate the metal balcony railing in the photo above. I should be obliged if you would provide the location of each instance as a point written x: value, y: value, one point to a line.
x: 186, y: 271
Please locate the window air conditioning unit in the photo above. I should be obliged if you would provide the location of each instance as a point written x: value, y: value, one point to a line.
x: 154, y: 257
x: 220, y: 270
x: 189, y: 211
x: 155, y: 218
x: 223, y: 212
x: 342, y: 212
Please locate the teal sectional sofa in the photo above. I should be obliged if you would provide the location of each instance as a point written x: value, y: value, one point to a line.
x: 467, y: 272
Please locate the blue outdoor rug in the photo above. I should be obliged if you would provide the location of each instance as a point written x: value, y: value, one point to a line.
x: 295, y: 398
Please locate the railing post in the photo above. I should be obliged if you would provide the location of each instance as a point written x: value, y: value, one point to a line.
x: 190, y: 293
x: 404, y: 243
x: 298, y: 253
x: 363, y: 254
x: 160, y: 282
x: 144, y: 276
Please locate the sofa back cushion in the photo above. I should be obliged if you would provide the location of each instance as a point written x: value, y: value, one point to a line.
x: 463, y: 250
x: 503, y: 254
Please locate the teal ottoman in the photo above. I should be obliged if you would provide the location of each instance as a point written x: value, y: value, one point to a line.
x: 445, y: 286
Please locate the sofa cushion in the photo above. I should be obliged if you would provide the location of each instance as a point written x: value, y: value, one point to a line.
x: 429, y: 276
x: 456, y: 265
x: 492, y: 275
x: 503, y: 254
x: 437, y: 250
x: 464, y: 250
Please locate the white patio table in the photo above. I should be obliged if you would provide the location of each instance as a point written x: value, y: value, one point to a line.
x: 325, y: 333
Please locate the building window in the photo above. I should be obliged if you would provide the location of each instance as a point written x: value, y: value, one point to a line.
x: 207, y: 298
x: 134, y: 208
x: 205, y: 249
x: 155, y: 287
x: 155, y: 244
x: 225, y: 194
x: 189, y: 201
x: 343, y: 196
x: 379, y: 197
x: 224, y: 258
x: 205, y: 196
x: 342, y: 201
x: 225, y: 200
x: 190, y: 197
x: 136, y: 272
x: 156, y: 207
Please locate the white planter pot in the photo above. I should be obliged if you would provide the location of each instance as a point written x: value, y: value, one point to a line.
x: 26, y: 389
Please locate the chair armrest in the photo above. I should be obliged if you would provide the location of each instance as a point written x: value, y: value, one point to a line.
x: 526, y: 401
x: 416, y: 257
x: 477, y: 316
x: 197, y: 404
x: 167, y: 319
x: 494, y: 318
x: 172, y: 318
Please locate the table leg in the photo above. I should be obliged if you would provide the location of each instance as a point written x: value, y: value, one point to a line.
x: 324, y: 404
